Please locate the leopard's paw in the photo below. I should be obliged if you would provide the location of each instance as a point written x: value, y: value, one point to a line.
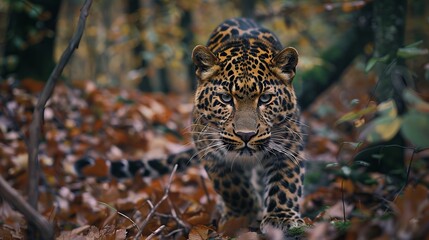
x: 276, y: 228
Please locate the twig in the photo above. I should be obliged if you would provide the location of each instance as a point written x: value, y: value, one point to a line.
x: 409, y: 170
x: 382, y: 147
x: 407, y: 176
x: 120, y: 214
x: 179, y: 221
x: 44, y: 97
x: 203, y: 182
x: 16, y: 200
x: 174, y: 232
x: 149, y: 203
x: 181, y: 225
x: 158, y: 230
x: 153, y: 209
x: 36, y: 123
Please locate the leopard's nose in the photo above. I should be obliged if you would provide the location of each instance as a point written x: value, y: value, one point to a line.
x: 246, y: 136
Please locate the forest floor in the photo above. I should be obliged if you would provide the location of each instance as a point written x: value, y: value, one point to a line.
x: 342, y: 199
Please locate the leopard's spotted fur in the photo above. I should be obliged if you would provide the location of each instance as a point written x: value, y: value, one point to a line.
x: 245, y: 118
x: 245, y: 128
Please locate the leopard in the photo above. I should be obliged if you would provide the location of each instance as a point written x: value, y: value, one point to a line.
x: 246, y: 127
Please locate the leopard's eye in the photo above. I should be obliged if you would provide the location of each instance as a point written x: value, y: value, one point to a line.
x: 226, y: 98
x: 265, y: 98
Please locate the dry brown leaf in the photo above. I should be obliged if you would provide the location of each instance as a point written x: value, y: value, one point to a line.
x: 199, y: 218
x: 120, y: 234
x: 98, y: 169
x: 199, y: 232
x: 248, y: 236
x: 32, y: 85
x: 234, y: 226
x: 412, y: 209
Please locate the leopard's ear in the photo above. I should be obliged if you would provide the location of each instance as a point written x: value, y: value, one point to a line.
x: 284, y: 64
x: 205, y: 62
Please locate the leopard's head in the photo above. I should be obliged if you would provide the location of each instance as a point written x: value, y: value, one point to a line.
x: 245, y: 104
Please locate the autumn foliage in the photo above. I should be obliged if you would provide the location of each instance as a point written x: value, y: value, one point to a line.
x: 84, y: 120
x: 355, y: 188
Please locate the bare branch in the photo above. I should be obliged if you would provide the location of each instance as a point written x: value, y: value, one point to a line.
x: 120, y: 214
x: 179, y: 221
x: 16, y: 200
x: 36, y: 123
x: 174, y: 232
x: 203, y: 182
x: 154, y: 208
x: 157, y: 231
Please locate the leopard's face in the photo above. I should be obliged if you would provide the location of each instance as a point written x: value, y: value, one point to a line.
x: 245, y: 105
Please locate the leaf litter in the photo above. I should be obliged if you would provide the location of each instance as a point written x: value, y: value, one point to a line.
x: 84, y: 120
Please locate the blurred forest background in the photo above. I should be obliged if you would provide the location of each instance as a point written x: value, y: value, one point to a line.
x: 147, y: 44
x: 362, y: 82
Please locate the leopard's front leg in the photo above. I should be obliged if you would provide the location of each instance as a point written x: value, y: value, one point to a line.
x: 239, y: 196
x: 283, y: 193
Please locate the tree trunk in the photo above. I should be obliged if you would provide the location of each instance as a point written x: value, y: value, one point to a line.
x: 4, y: 20
x: 186, y: 24
x: 133, y: 10
x: 34, y: 52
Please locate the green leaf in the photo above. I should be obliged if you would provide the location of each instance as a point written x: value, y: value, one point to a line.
x: 297, y: 231
x: 370, y: 181
x: 377, y: 156
x: 353, y: 144
x: 354, y: 102
x: 409, y: 52
x: 415, y: 101
x: 415, y: 128
x: 346, y: 170
x: 341, y: 226
x: 382, y: 129
x: 411, y: 97
x: 331, y: 165
x: 361, y: 163
x: 371, y: 63
x: 356, y: 114
x: 387, y: 108
x: 34, y: 11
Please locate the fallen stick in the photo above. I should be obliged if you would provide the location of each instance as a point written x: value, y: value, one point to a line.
x: 153, y: 209
x: 13, y: 197
x: 36, y: 123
